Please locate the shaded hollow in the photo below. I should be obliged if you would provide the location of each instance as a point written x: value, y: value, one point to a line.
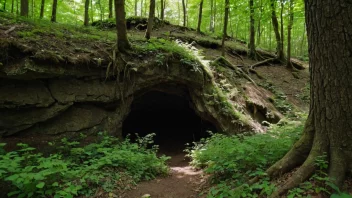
x: 170, y: 117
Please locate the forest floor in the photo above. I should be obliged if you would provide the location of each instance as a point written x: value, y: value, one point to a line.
x: 183, y: 181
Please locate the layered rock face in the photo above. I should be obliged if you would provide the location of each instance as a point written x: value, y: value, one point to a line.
x: 52, y: 99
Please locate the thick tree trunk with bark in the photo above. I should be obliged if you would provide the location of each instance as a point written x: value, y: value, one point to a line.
x: 328, y: 128
x: 251, y: 44
x: 53, y: 13
x: 110, y: 9
x: 86, y: 13
x: 279, y: 45
x: 122, y: 41
x: 289, y: 30
x: 150, y: 19
x: 200, y: 16
x: 226, y: 19
x: 42, y: 5
x: 24, y: 8
x: 184, y: 13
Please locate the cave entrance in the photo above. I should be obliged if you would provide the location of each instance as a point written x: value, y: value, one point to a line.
x: 170, y: 117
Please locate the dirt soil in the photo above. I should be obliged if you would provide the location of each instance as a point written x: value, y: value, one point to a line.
x: 182, y: 182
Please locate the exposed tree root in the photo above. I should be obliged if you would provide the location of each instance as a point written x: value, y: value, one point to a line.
x: 262, y: 63
x: 256, y: 73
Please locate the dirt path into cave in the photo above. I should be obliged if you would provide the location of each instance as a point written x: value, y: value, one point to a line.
x: 182, y: 182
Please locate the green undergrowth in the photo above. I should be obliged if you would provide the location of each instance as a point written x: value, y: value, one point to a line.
x: 233, y: 160
x: 108, y: 166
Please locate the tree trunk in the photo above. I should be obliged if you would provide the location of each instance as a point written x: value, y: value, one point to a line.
x: 150, y: 19
x: 86, y: 13
x: 279, y: 48
x: 289, y: 29
x: 161, y: 10
x: 42, y: 5
x: 110, y: 9
x: 184, y: 13
x: 4, y: 5
x: 142, y: 8
x: 200, y: 16
x: 135, y: 7
x: 91, y: 10
x: 251, y: 45
x: 12, y: 5
x: 24, y: 8
x: 328, y: 128
x: 122, y: 41
x: 211, y: 16
x: 53, y: 13
x: 282, y: 27
x: 226, y: 19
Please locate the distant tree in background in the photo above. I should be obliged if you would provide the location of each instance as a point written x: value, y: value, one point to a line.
x: 86, y: 13
x: 150, y: 19
x: 53, y: 13
x: 24, y: 8
x: 200, y: 14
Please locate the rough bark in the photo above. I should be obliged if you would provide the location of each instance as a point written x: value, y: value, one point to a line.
x: 24, y: 8
x: 110, y: 9
x: 226, y: 19
x: 328, y: 129
x: 86, y: 13
x: 289, y: 30
x: 150, y: 19
x: 251, y: 45
x: 200, y: 16
x: 122, y: 41
x: 53, y: 13
x: 184, y: 13
x: 42, y: 5
x: 279, y: 45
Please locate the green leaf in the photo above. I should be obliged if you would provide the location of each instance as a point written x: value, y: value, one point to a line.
x: 55, y: 184
x: 40, y: 185
x: 13, y: 193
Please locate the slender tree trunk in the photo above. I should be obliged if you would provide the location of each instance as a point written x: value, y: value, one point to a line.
x: 91, y: 10
x: 259, y: 29
x: 100, y: 10
x: 110, y: 9
x: 179, y: 12
x: 86, y: 13
x: 282, y: 27
x: 24, y: 8
x: 184, y: 13
x: 150, y: 19
x: 122, y: 41
x: 42, y: 5
x: 141, y: 14
x: 279, y: 48
x: 12, y: 5
x: 33, y: 8
x: 226, y: 19
x: 17, y: 7
x: 200, y: 16
x: 4, y: 5
x: 135, y: 7
x: 53, y: 13
x: 211, y: 16
x: 161, y: 10
x: 145, y: 7
x: 328, y: 128
x: 252, y: 53
x: 289, y: 29
x: 214, y: 16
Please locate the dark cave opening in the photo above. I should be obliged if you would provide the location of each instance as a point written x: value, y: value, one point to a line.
x: 170, y: 117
